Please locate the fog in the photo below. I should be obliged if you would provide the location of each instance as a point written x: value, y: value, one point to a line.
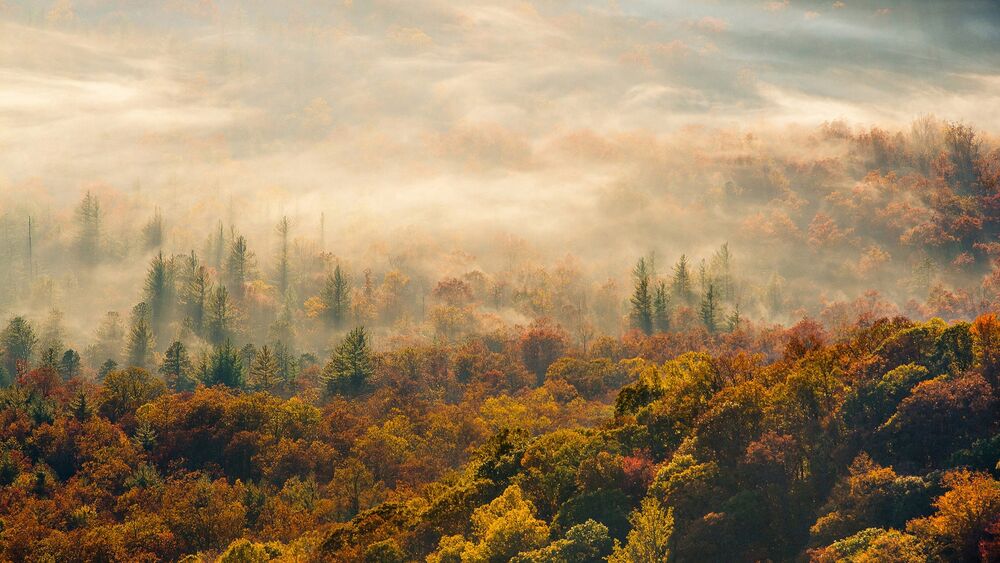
x: 440, y: 138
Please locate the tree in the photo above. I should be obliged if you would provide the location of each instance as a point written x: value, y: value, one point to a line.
x: 282, y: 273
x: 152, y: 233
x: 721, y: 270
x: 124, y: 391
x: 541, y: 344
x: 264, y: 370
x: 986, y: 339
x: 649, y: 539
x: 69, y: 366
x: 80, y: 407
x: 225, y: 367
x: 642, y: 308
x: 19, y: 343
x: 239, y: 267
x: 661, y: 308
x: 176, y: 368
x: 709, y: 309
x: 221, y: 313
x: 107, y: 367
x: 195, y: 293
x: 141, y: 342
x: 89, y: 238
x: 159, y: 292
x: 110, y: 338
x: 351, y: 365
x: 681, y: 284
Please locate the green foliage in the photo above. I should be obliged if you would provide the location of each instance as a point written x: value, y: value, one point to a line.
x: 225, y: 367
x: 649, y: 539
x: 19, y: 342
x: 351, y: 364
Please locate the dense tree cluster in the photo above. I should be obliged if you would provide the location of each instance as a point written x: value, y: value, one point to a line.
x: 757, y: 443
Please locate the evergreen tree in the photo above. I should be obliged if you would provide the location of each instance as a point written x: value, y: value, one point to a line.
x: 176, y: 368
x: 682, y: 282
x: 69, y: 366
x: 225, y: 367
x: 152, y: 233
x: 219, y: 248
x: 218, y: 327
x: 282, y: 273
x: 734, y: 319
x: 661, y: 308
x: 50, y: 359
x: 89, y: 238
x: 642, y: 306
x: 288, y: 365
x: 160, y: 293
x: 110, y: 337
x: 19, y: 342
x: 144, y: 437
x: 264, y: 370
x: 195, y: 293
x: 80, y: 406
x: 52, y: 332
x: 107, y: 367
x: 336, y: 296
x: 239, y: 267
x: 141, y: 342
x: 351, y: 365
x: 709, y: 309
x: 722, y: 273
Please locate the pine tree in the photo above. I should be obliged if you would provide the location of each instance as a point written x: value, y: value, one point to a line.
x: 682, y: 282
x: 50, y: 359
x: 642, y: 307
x: 336, y: 297
x: 734, y: 319
x: 19, y: 342
x: 288, y: 365
x: 144, y: 437
x: 264, y: 370
x: 52, y: 332
x: 80, y: 407
x: 110, y: 337
x: 152, y: 233
x: 282, y: 274
x: 195, y: 293
x: 89, y: 238
x: 239, y: 267
x: 225, y: 367
x: 69, y: 366
x: 176, y: 368
x: 722, y: 272
x: 661, y: 308
x: 160, y: 293
x: 219, y: 248
x: 107, y: 367
x: 351, y: 365
x: 709, y: 309
x: 221, y: 313
x: 141, y: 342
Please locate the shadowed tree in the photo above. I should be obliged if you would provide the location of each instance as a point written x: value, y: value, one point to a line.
x: 351, y: 364
x: 641, y: 316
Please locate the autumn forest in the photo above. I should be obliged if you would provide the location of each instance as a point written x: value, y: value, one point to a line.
x: 374, y: 283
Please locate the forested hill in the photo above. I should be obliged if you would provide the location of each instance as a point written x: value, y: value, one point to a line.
x: 877, y: 443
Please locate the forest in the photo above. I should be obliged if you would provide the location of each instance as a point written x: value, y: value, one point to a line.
x: 815, y: 377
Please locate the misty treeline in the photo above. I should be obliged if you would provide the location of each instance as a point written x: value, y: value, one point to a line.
x: 779, y: 385
x: 771, y: 236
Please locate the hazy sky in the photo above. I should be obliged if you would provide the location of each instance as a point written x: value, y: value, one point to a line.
x: 412, y: 106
